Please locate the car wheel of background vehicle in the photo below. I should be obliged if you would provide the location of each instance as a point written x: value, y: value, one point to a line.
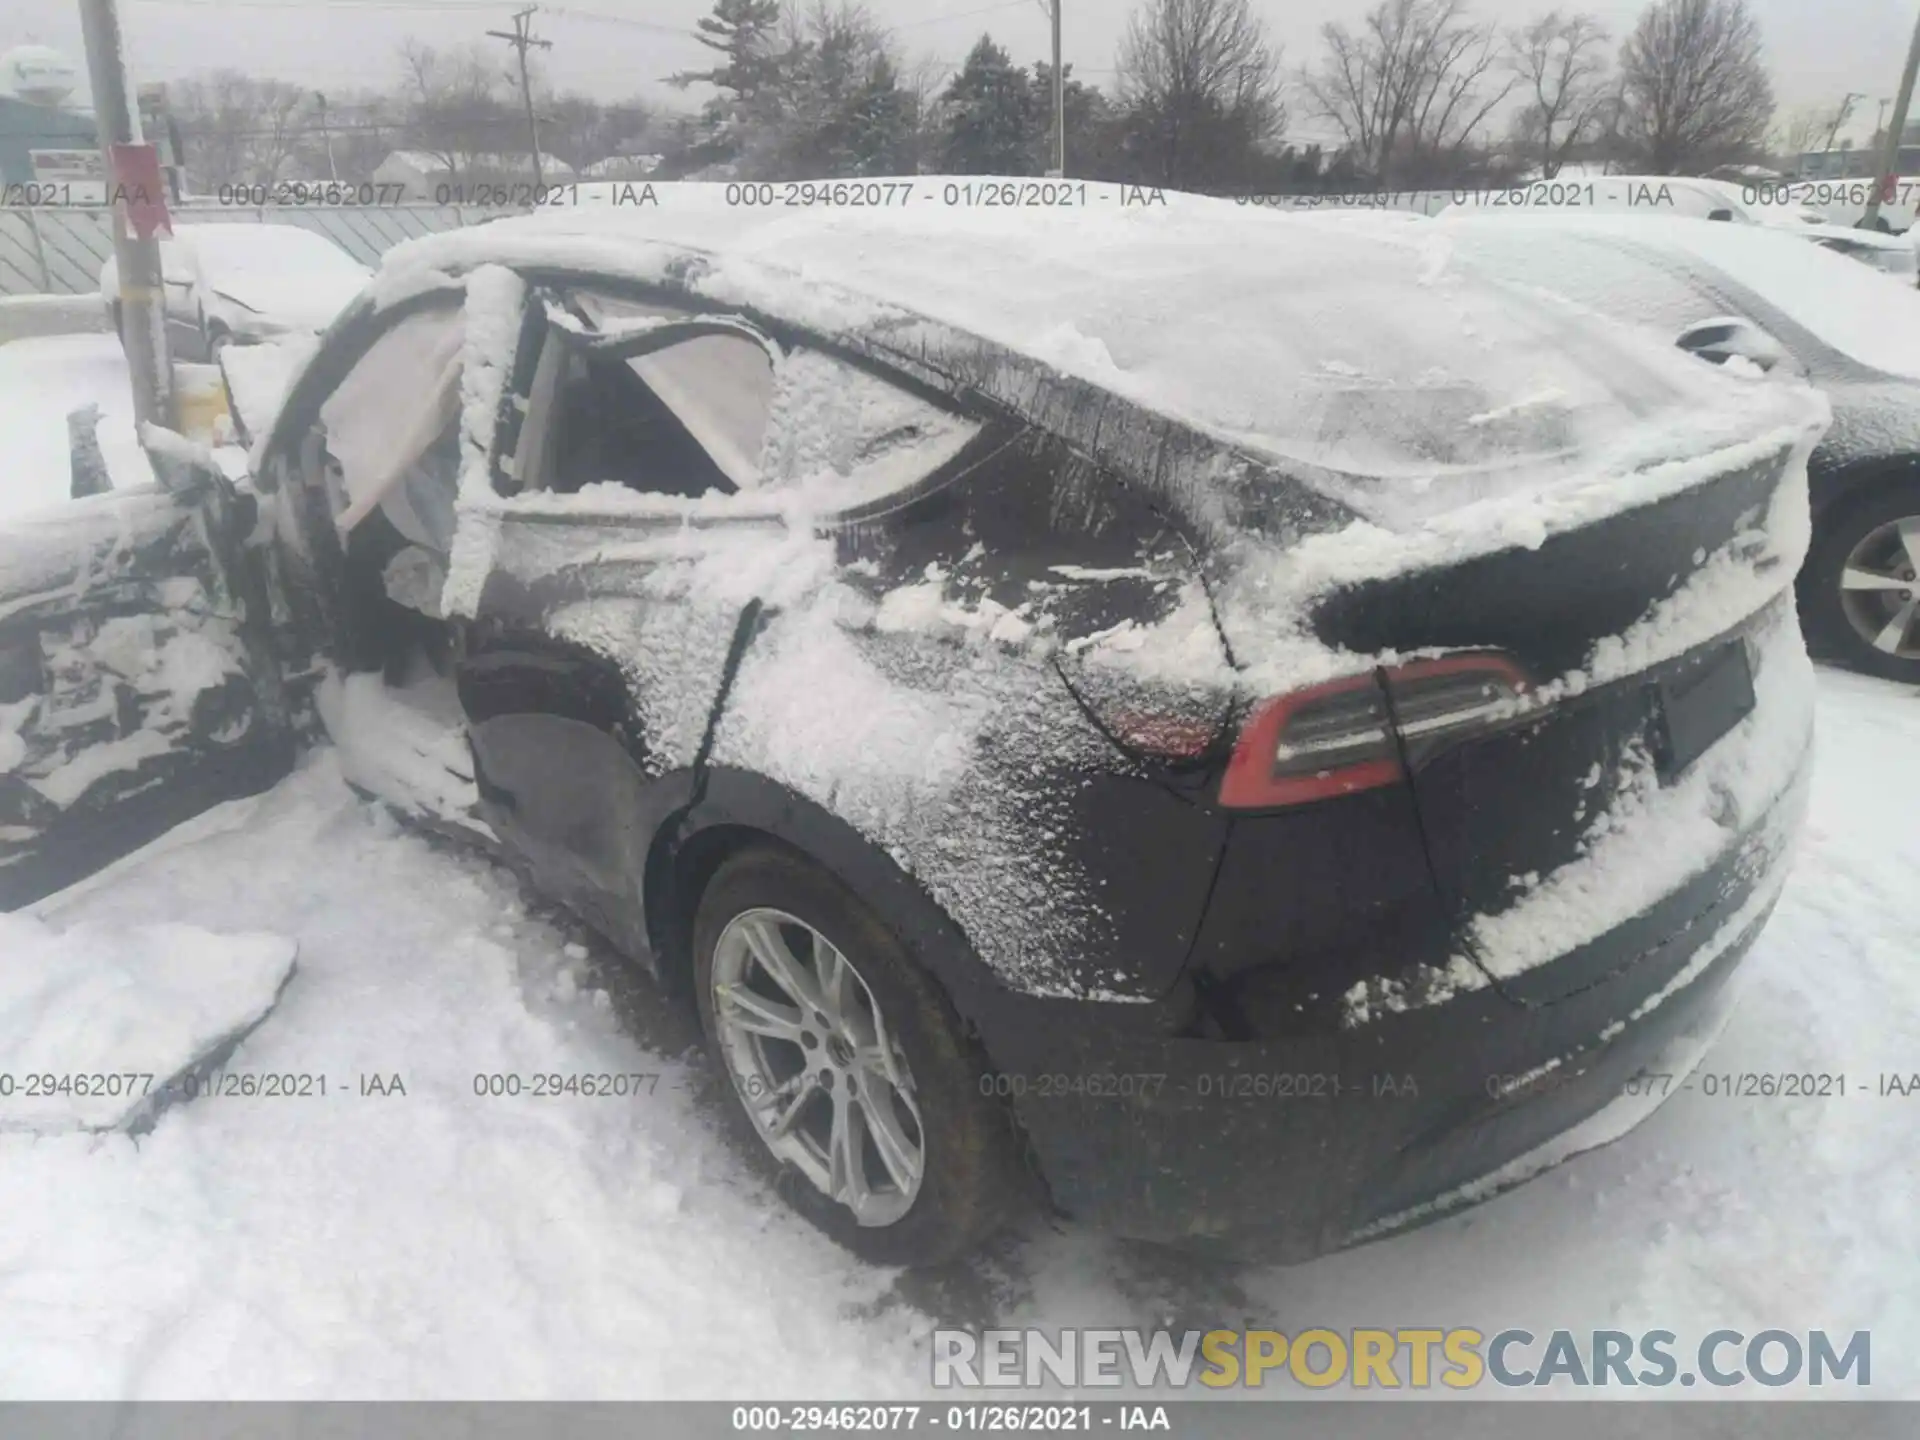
x: 849, y: 1067
x: 1860, y: 590
x: 218, y: 339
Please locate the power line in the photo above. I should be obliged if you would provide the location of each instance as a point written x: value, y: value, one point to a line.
x: 961, y: 15
x: 600, y: 18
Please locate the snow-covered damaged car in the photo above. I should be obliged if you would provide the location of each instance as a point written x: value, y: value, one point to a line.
x: 1754, y: 299
x: 1251, y: 732
x: 242, y: 283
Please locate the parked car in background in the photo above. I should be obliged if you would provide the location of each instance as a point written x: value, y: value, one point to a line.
x: 1255, y: 736
x: 1753, y: 295
x: 241, y: 283
x: 1767, y: 204
x: 1843, y: 200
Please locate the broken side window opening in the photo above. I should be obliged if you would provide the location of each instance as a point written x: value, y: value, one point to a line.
x: 721, y: 423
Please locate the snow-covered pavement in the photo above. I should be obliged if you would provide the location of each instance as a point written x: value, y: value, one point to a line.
x: 439, y: 1243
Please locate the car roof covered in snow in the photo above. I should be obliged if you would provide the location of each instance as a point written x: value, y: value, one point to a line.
x: 1295, y: 339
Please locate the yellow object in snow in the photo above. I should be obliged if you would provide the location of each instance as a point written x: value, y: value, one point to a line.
x: 200, y: 400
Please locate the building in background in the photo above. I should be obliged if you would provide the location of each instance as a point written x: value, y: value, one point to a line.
x: 43, y: 138
x: 1849, y: 161
x: 437, y: 179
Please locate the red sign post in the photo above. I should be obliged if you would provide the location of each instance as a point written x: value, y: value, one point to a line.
x: 137, y: 183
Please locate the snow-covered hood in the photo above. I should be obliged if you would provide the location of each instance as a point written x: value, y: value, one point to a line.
x: 1361, y: 360
x: 282, y: 302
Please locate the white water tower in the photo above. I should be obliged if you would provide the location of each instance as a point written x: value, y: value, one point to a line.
x: 38, y: 74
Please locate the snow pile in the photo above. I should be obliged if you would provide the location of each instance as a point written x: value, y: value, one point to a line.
x: 99, y: 1024
x: 435, y: 1242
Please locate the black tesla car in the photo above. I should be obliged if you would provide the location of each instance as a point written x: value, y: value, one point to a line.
x: 1244, y: 734
x: 1732, y: 292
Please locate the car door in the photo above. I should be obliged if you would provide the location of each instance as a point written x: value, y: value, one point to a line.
x: 137, y: 684
x: 597, y: 647
x: 362, y: 464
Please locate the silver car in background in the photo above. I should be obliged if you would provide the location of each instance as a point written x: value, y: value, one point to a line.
x: 242, y: 283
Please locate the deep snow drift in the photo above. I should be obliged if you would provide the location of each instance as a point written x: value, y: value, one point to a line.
x: 439, y: 1243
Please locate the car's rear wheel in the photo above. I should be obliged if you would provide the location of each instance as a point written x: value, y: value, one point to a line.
x: 850, y: 1069
x: 1861, y: 594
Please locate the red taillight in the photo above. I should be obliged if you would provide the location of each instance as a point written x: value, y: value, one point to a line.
x: 1337, y: 738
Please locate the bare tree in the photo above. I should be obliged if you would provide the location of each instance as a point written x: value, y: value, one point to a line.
x: 456, y: 106
x: 1696, y: 92
x: 1561, y: 64
x: 1200, y: 88
x: 1413, y: 88
x: 239, y: 130
x: 1799, y: 132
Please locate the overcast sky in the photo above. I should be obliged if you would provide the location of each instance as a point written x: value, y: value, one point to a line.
x: 1817, y: 49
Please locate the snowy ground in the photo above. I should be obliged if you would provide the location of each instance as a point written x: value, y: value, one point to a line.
x: 40, y: 381
x: 438, y: 1244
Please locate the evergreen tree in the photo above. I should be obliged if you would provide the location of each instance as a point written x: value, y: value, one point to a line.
x: 1089, y: 127
x: 881, y: 129
x: 745, y: 33
x: 988, y: 116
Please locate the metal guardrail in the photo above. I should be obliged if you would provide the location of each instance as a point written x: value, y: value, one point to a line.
x: 59, y: 251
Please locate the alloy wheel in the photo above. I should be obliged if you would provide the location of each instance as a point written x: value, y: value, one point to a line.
x: 816, y: 1064
x: 1880, y: 587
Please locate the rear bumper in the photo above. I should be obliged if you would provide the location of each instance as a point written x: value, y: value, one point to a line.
x: 1288, y: 1148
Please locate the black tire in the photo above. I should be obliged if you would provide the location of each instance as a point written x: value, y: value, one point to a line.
x: 1822, y: 609
x: 973, y: 1181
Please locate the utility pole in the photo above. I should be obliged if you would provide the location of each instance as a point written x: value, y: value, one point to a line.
x: 136, y: 254
x: 1841, y: 116
x: 1889, y: 163
x: 521, y: 39
x: 1059, y: 97
x: 326, y: 137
